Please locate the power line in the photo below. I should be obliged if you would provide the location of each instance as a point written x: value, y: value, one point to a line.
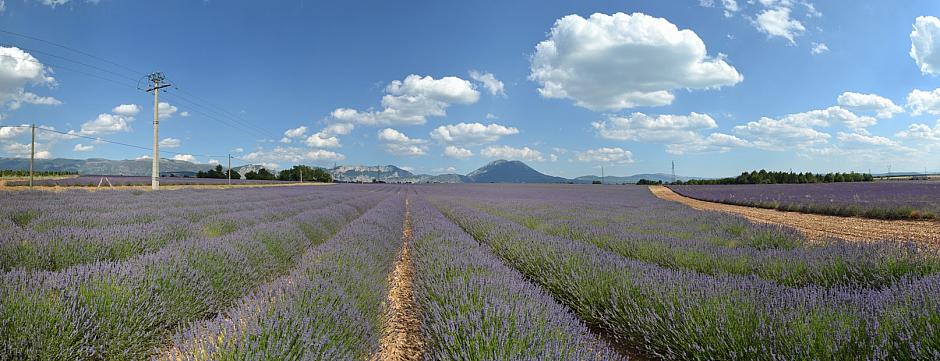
x: 31, y: 51
x: 71, y: 49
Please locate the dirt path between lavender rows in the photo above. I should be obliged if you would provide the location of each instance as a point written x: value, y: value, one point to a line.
x: 819, y: 227
x: 402, y: 338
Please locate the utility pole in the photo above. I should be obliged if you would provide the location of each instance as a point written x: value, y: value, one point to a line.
x: 673, y: 171
x: 301, y: 170
x: 157, y: 80
x: 230, y: 169
x: 602, y: 174
x: 32, y: 155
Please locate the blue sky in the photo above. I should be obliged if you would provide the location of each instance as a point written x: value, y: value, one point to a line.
x: 717, y: 86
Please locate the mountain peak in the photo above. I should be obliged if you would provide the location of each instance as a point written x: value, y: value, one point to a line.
x: 511, y: 171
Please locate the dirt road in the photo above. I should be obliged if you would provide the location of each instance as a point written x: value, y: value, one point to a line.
x: 819, y: 227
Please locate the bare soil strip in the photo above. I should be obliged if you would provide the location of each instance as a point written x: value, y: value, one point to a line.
x: 820, y: 227
x: 402, y: 339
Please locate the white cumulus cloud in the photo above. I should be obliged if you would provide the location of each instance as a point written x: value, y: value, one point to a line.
x: 471, y: 133
x: 881, y: 106
x: 606, y: 155
x: 170, y: 143
x: 819, y: 48
x: 457, y: 152
x: 925, y: 44
x: 922, y: 101
x: 127, y: 110
x: 185, y: 157
x: 510, y: 153
x: 653, y: 128
x: 777, y: 22
x: 619, y: 61
x: 489, y: 81
x: 398, y: 143
x: 107, y: 124
x: 412, y: 100
x: 19, y: 69
x: 166, y: 110
x: 83, y: 148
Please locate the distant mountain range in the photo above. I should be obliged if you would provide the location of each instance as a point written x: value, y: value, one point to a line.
x: 100, y: 166
x: 500, y: 171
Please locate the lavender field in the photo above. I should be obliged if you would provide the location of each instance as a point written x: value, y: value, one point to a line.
x: 498, y: 272
x: 95, y: 180
x: 881, y: 200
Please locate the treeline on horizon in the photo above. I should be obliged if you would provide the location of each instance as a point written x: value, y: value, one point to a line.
x: 764, y: 177
x: 297, y: 173
x: 40, y: 173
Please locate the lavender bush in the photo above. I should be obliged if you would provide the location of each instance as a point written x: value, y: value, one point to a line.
x: 123, y: 310
x: 328, y: 308
x: 883, y: 200
x: 81, y: 232
x: 718, y: 243
x: 675, y: 314
x: 476, y: 308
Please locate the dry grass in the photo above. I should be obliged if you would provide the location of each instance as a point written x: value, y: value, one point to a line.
x: 820, y: 227
x: 402, y: 339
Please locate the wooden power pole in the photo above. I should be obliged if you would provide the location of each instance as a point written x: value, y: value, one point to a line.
x: 229, y: 169
x: 32, y: 155
x: 157, y: 80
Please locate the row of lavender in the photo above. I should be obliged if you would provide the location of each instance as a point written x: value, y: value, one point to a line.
x: 882, y: 200
x: 676, y: 313
x: 125, y: 310
x: 476, y: 308
x: 327, y: 308
x: 716, y: 244
x: 105, y: 181
x: 51, y: 236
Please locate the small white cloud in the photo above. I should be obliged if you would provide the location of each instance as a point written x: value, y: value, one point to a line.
x: 413, y: 100
x: 819, y: 48
x: 606, y: 155
x: 170, y: 143
x: 489, y: 81
x: 298, y: 132
x: 777, y: 22
x: 143, y: 157
x: 491, y: 116
x: 127, y: 110
x: 510, y: 153
x: 166, y: 110
x: 398, y: 143
x: 107, y: 124
x: 185, y: 157
x: 881, y: 106
x: 214, y: 162
x: 184, y: 114
x: 338, y: 129
x: 619, y: 61
x: 83, y: 148
x: 457, y: 152
x: 920, y: 131
x: 471, y: 133
x: 925, y: 44
x: 320, y: 140
x: 922, y: 101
